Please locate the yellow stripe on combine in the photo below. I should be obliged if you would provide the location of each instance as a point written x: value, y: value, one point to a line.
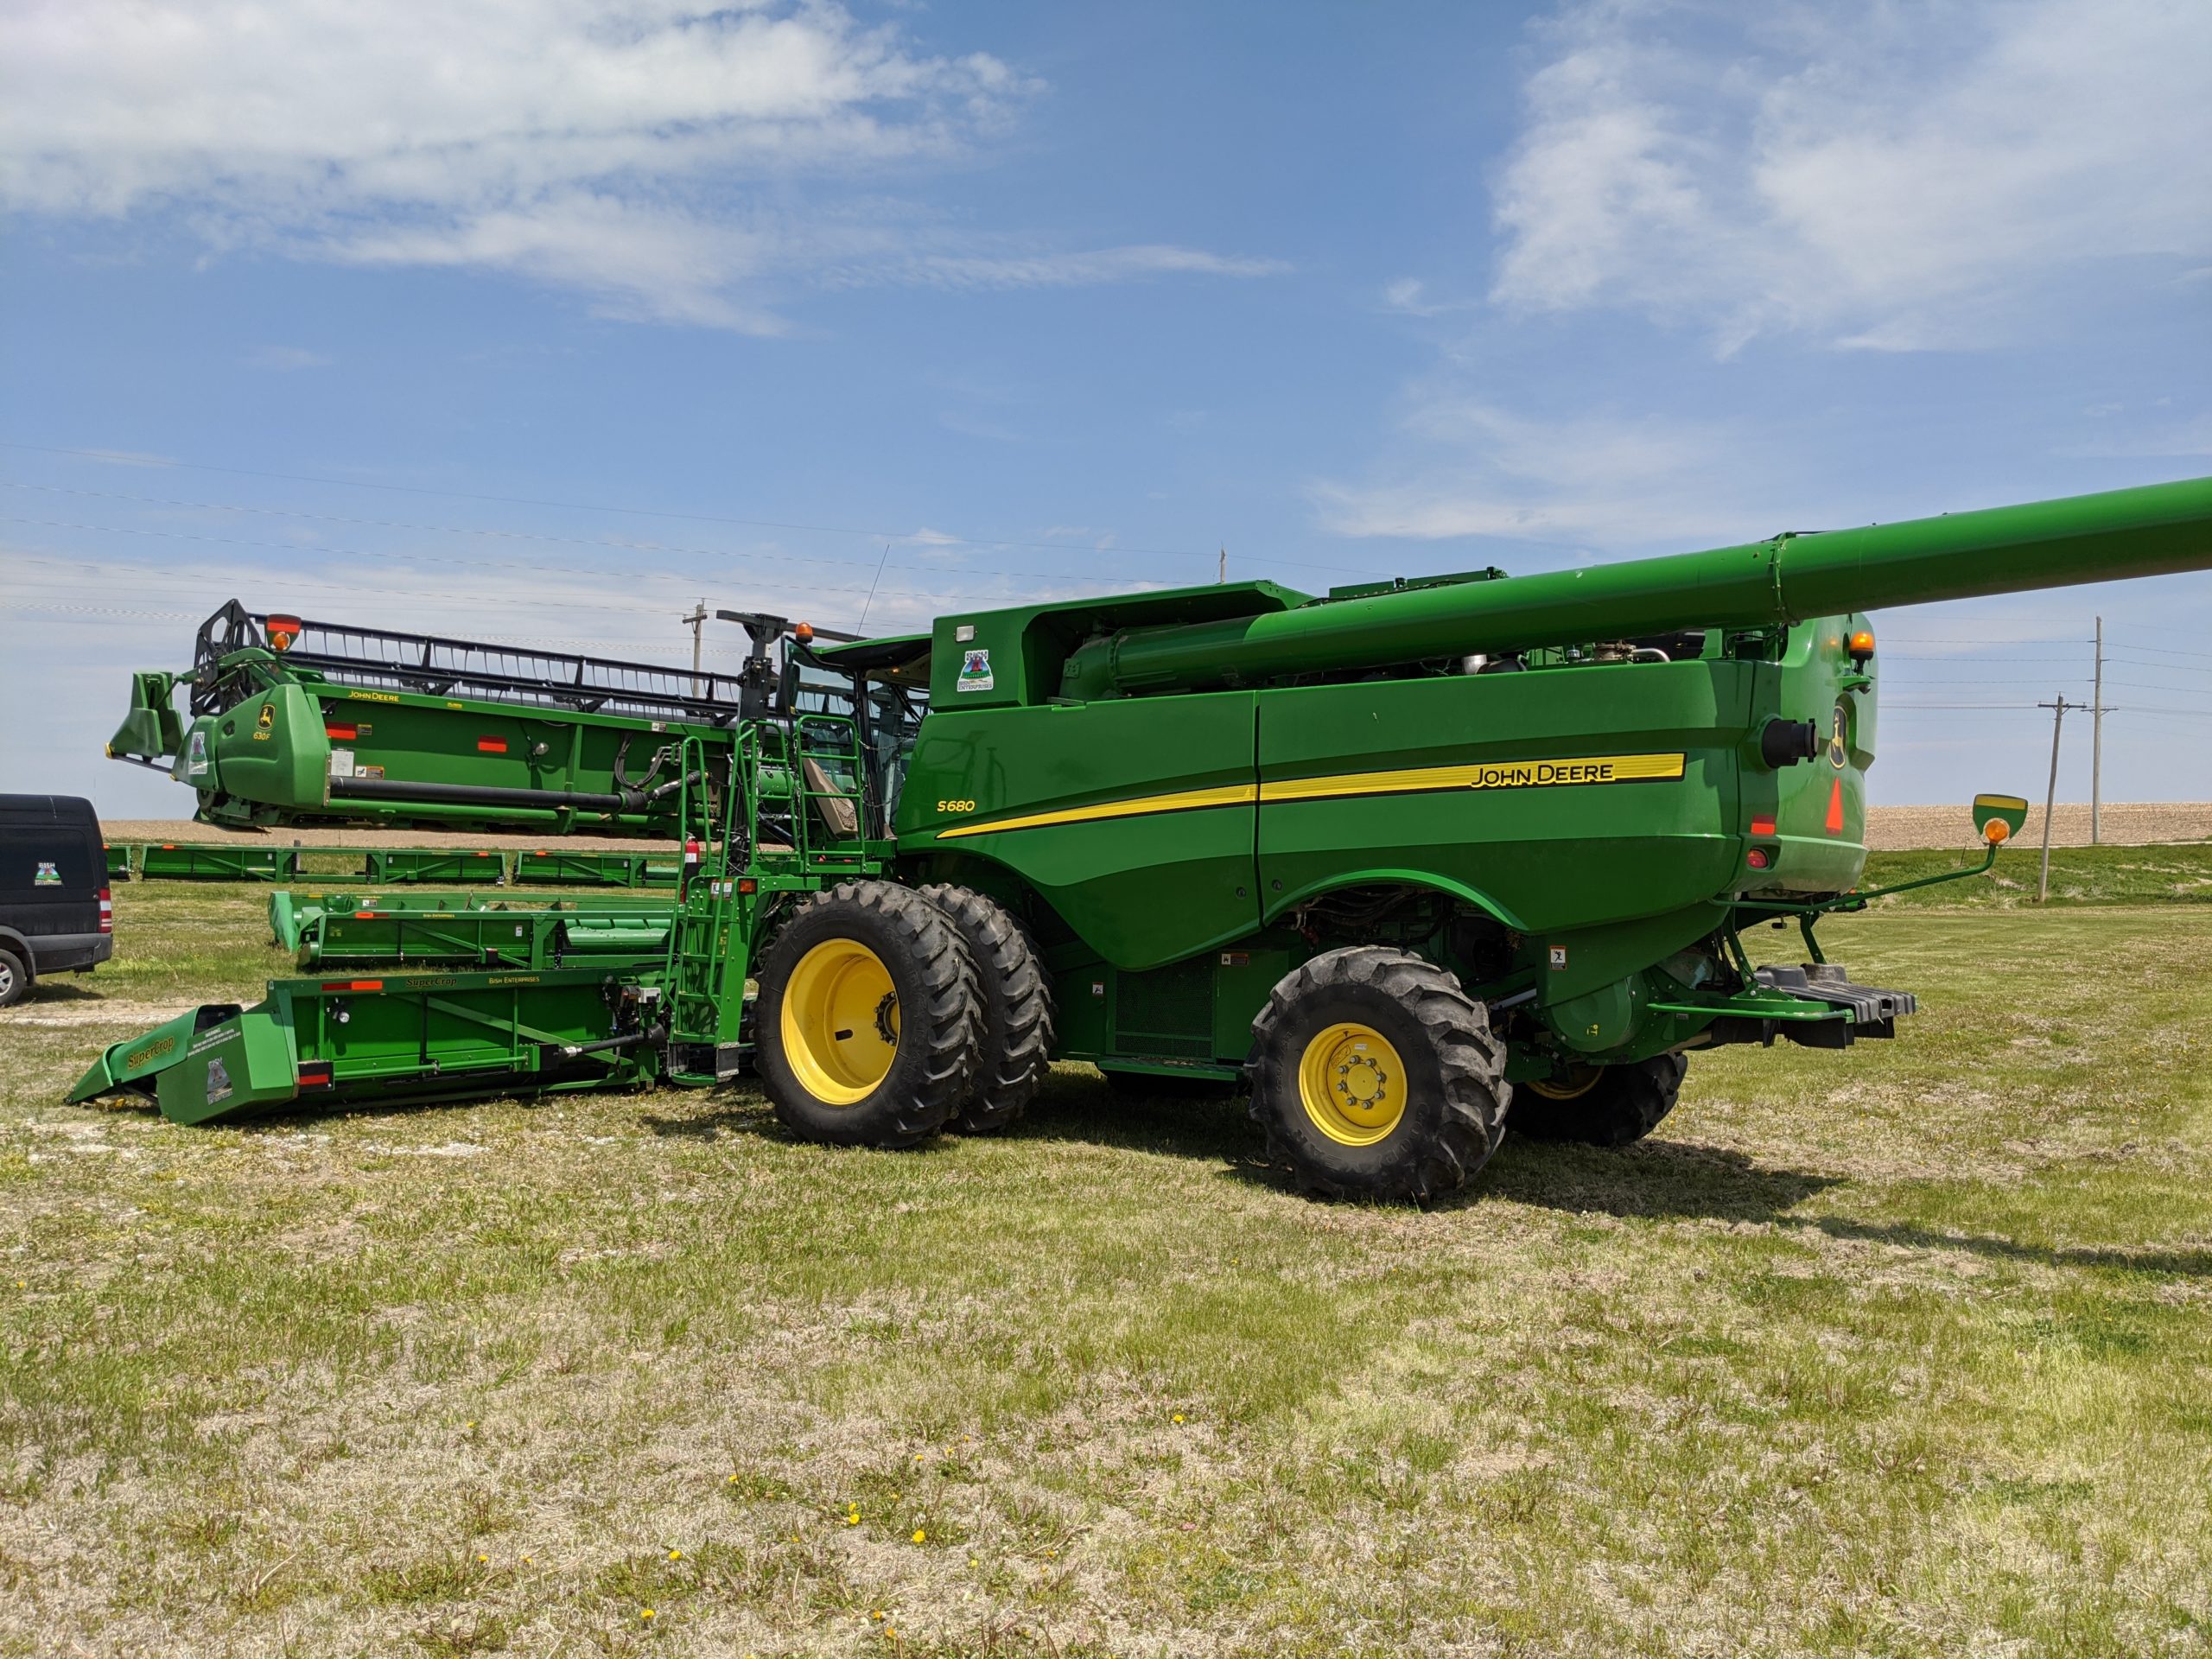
x: 1491, y: 774
x: 1142, y: 806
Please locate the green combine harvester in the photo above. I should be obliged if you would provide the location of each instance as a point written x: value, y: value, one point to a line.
x: 1414, y: 861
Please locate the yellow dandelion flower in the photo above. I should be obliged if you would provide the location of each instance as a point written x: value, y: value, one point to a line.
x: 732, y: 1480
x: 919, y: 1535
x: 675, y: 1554
x: 525, y: 1560
x: 644, y: 1613
x: 480, y: 1560
x: 1178, y: 1416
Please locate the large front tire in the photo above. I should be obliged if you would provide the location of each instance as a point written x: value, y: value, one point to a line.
x: 1599, y: 1105
x: 1016, y: 999
x: 1377, y: 1077
x: 868, y: 1022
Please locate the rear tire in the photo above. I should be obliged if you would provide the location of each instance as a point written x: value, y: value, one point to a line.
x: 15, y: 979
x: 1377, y: 1077
x: 867, y: 1021
x: 1016, y: 1000
x: 1600, y: 1105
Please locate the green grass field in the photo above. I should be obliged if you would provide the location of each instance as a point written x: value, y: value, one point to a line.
x: 1906, y: 1350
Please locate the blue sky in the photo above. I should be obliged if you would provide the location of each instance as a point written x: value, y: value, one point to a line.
x: 540, y: 321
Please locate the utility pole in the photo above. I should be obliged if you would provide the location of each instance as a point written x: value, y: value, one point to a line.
x: 2097, y: 739
x: 695, y: 622
x: 2050, y: 796
x: 1221, y: 575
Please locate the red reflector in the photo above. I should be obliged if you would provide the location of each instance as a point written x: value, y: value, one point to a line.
x: 364, y: 915
x: 1762, y: 826
x: 746, y: 884
x: 353, y: 984
x: 315, y: 1074
x: 107, y: 912
x: 343, y: 733
x: 1756, y: 858
x: 1835, y: 808
x: 491, y: 746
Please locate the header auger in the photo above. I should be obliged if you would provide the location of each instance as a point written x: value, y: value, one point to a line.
x: 1415, y: 861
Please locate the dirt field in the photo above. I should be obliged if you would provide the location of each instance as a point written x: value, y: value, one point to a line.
x: 2130, y: 824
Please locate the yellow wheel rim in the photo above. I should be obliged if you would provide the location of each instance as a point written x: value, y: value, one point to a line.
x: 1578, y: 1082
x: 839, y: 1021
x: 1353, y: 1084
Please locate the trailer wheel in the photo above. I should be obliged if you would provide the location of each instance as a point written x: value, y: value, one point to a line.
x: 868, y: 1018
x: 15, y: 979
x: 1377, y: 1077
x: 1016, y: 999
x: 1599, y: 1105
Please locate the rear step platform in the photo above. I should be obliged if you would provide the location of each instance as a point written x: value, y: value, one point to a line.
x: 1873, y: 1013
x: 1826, y: 982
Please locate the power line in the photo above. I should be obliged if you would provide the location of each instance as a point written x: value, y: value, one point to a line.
x: 2168, y: 651
x: 2164, y: 668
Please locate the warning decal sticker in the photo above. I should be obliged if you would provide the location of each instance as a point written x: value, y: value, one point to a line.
x: 975, y: 672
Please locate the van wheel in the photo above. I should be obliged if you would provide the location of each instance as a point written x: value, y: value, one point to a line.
x: 868, y: 1022
x: 1016, y: 1000
x: 1377, y: 1077
x: 14, y: 978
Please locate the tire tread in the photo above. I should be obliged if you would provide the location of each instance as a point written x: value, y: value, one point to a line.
x: 1471, y: 1058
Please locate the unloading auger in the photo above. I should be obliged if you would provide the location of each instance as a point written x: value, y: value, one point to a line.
x: 1413, y: 861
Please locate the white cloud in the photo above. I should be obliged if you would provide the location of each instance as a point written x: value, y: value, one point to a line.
x: 1888, y: 178
x: 667, y: 158
x: 1579, y: 481
x: 1072, y: 270
x: 1409, y: 296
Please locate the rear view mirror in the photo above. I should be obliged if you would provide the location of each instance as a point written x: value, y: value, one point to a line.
x: 1998, y: 817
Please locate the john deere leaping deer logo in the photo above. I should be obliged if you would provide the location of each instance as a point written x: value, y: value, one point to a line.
x: 1839, y: 750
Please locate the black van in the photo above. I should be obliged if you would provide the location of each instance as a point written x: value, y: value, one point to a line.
x: 55, y: 914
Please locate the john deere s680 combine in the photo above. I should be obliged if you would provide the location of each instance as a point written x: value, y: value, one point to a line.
x: 1417, y: 860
